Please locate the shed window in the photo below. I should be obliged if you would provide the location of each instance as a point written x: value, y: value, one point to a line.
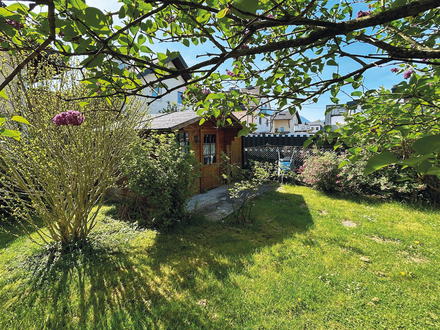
x: 184, y: 142
x: 209, y: 149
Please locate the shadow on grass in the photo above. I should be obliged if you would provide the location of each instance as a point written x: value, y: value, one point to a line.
x: 10, y: 230
x: 162, y: 285
x: 276, y: 217
x: 91, y: 287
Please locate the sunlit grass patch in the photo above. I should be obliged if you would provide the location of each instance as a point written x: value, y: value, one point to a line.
x: 294, y: 267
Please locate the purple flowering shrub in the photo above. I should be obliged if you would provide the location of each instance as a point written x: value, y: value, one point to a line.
x: 320, y: 171
x: 71, y: 117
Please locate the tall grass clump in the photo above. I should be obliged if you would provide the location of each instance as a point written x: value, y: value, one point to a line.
x: 66, y: 157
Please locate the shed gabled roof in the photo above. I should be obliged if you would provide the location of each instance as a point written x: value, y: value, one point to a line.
x: 172, y: 121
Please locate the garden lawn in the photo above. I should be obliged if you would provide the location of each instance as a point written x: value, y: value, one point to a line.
x: 297, y: 266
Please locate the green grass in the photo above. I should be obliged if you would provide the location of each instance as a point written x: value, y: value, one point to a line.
x: 296, y: 267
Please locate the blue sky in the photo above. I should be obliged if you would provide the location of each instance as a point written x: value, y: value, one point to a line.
x: 374, y: 78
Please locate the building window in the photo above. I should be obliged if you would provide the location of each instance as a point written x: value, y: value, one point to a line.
x: 179, y: 98
x: 155, y: 91
x: 303, y: 127
x: 209, y: 149
x: 184, y: 142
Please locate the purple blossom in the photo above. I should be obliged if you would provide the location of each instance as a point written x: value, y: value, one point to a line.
x: 362, y: 13
x: 61, y: 34
x: 230, y: 73
x: 70, y: 117
x: 244, y: 46
x: 407, y: 74
x: 170, y: 19
x: 206, y: 91
x: 17, y: 25
x: 413, y: 46
x: 394, y: 70
x: 269, y: 16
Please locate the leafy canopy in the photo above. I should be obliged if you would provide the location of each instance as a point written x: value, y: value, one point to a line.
x: 281, y: 46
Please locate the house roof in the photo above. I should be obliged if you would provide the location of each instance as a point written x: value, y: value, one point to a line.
x: 179, y: 64
x: 172, y: 121
x: 284, y: 115
x: 314, y: 123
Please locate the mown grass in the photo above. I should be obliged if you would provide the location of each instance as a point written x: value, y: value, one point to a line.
x: 296, y: 267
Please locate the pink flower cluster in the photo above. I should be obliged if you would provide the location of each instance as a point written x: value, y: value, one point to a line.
x: 394, y: 70
x: 71, y: 117
x: 362, y: 13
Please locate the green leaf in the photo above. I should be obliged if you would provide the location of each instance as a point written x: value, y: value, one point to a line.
x: 424, y: 167
x: 354, y: 151
x: 222, y: 13
x: 20, y: 119
x: 244, y: 131
x: 345, y: 162
x: 414, y: 161
x: 433, y: 171
x: 162, y: 57
x: 407, y: 178
x: 248, y: 6
x: 427, y: 144
x: 10, y: 133
x: 378, y: 161
x: 202, y: 121
x: 307, y: 143
x: 185, y: 42
x: 3, y: 94
x: 95, y: 17
x: 398, y: 3
x: 356, y: 93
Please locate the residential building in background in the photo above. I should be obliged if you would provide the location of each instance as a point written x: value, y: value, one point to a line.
x: 284, y: 122
x: 175, y: 96
x: 309, y: 127
x: 337, y: 115
x: 261, y: 115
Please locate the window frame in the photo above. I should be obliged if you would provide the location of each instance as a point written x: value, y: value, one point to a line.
x: 211, y: 157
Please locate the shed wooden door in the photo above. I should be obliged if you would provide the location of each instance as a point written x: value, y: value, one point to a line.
x: 210, y: 159
x: 236, y: 152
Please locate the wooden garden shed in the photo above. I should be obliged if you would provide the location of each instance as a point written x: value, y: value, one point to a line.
x: 206, y: 140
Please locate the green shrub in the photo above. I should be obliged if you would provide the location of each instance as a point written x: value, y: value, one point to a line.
x: 321, y: 172
x: 157, y: 168
x: 244, y: 185
x: 66, y: 158
x: 384, y: 182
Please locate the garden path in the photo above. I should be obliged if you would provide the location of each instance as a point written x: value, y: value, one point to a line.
x: 216, y: 203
